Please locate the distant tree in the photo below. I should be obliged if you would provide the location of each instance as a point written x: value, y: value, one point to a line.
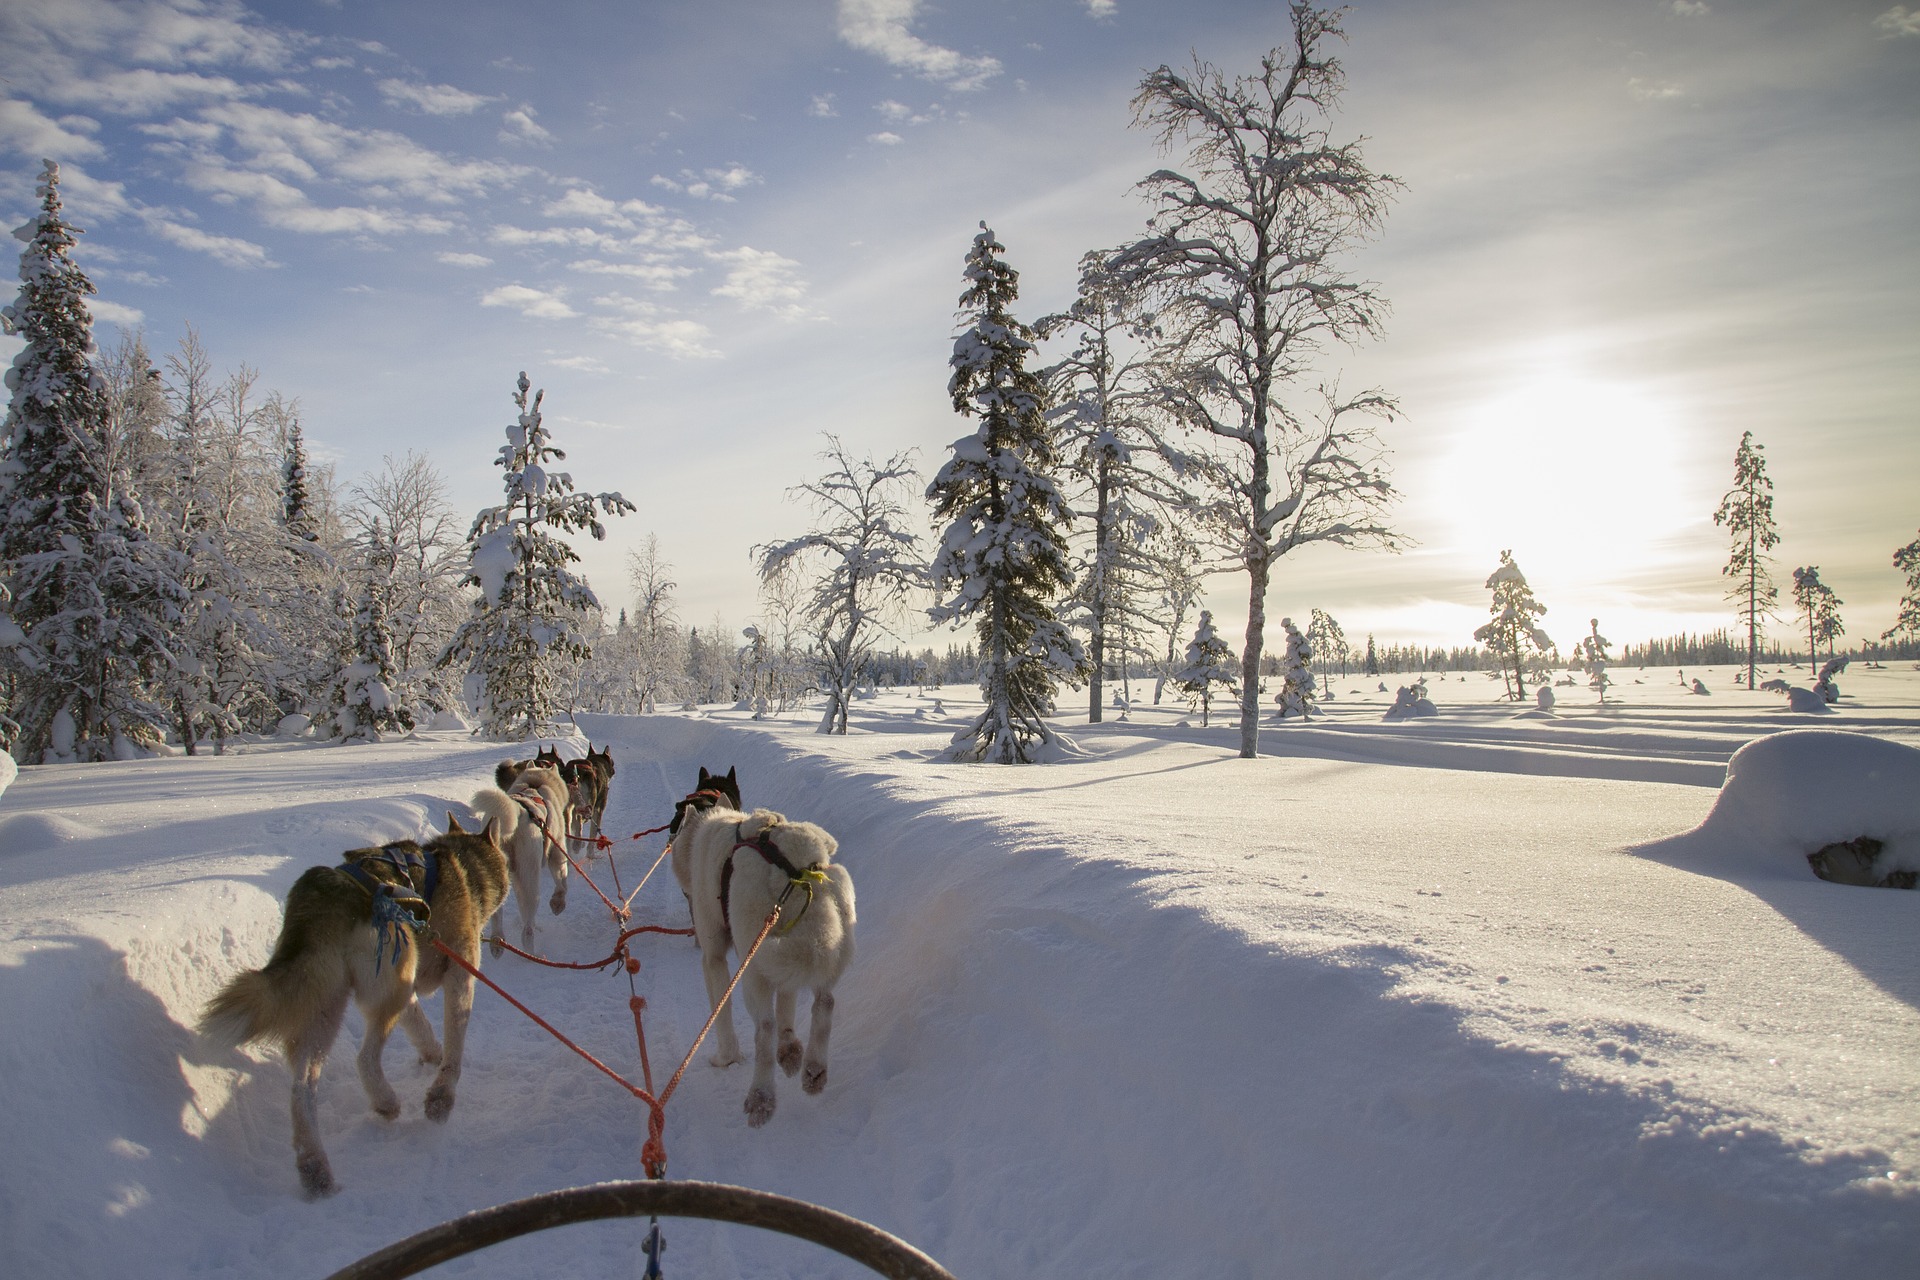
x: 1174, y: 576
x: 1297, y: 689
x: 1209, y: 662
x: 88, y: 600
x: 1907, y: 621
x: 425, y: 602
x: 295, y: 505
x: 1747, y: 512
x: 660, y: 653
x: 524, y: 621
x: 1002, y: 561
x: 1591, y: 653
x: 871, y: 565
x: 368, y: 705
x: 1243, y: 256
x: 1821, y: 608
x: 1373, y: 659
x: 1101, y: 391
x: 1328, y: 642
x: 1514, y: 627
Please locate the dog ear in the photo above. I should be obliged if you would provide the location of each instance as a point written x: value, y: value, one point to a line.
x: 453, y: 825
x: 730, y: 777
x: 487, y: 831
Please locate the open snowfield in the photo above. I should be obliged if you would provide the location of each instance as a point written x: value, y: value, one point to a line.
x: 1437, y: 998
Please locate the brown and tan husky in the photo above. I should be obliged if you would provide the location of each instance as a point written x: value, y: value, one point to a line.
x: 343, y: 935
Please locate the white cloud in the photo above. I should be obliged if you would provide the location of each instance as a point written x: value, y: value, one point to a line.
x: 710, y: 184
x: 880, y: 27
x: 581, y: 364
x: 434, y: 99
x: 647, y: 326
x: 1101, y: 8
x: 1652, y: 90
x: 893, y: 110
x: 464, y: 259
x: 760, y: 280
x: 594, y: 207
x: 114, y: 313
x: 1691, y: 8
x: 203, y: 34
x: 886, y: 139
x: 380, y: 163
x: 1897, y: 22
x: 657, y: 275
x: 281, y: 204
x: 25, y: 131
x: 332, y: 64
x: 518, y: 125
x: 571, y: 237
x: 529, y: 302
x: 230, y: 250
x: 822, y: 106
x: 143, y: 91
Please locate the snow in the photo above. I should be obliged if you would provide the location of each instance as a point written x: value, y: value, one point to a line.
x: 1467, y: 995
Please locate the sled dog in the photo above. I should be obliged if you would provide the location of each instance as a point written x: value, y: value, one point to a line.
x: 742, y: 864
x: 530, y: 819
x: 589, y: 779
x: 712, y: 791
x: 343, y: 935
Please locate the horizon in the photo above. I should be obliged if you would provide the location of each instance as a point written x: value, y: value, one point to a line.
x: 1629, y: 232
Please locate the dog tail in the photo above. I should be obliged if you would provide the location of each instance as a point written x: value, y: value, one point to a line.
x: 304, y: 977
x: 502, y: 811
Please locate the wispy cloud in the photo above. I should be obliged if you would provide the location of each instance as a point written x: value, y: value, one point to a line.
x: 580, y: 364
x: 1652, y: 90
x: 886, y: 138
x: 659, y: 275
x: 519, y: 126
x: 540, y: 304
x: 710, y: 184
x: 1101, y: 8
x: 1691, y: 8
x: 760, y: 280
x: 433, y: 99
x: 580, y: 202
x: 652, y: 328
x: 881, y: 27
x: 25, y: 131
x: 115, y: 313
x: 1897, y: 22
x: 231, y: 250
x: 464, y: 259
x: 822, y: 106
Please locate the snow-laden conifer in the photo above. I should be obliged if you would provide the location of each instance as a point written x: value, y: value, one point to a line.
x: 524, y: 622
x: 1002, y: 561
x: 1210, y: 662
x: 1591, y: 653
x: 1907, y: 621
x: 869, y: 559
x: 295, y: 505
x: 1821, y: 608
x: 1298, y: 690
x: 93, y: 600
x: 1747, y: 512
x: 368, y: 705
x: 1514, y: 626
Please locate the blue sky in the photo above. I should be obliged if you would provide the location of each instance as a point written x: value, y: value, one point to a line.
x: 1631, y: 229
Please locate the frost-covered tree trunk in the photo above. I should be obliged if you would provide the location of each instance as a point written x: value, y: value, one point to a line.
x: 91, y: 600
x: 871, y: 564
x: 523, y: 626
x: 1002, y: 560
x: 1243, y: 256
x: 1747, y: 512
x: 1513, y: 627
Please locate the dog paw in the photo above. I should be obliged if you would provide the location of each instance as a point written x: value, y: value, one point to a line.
x: 815, y: 1079
x: 790, y: 1055
x: 759, y: 1107
x: 722, y: 1058
x: 430, y: 1057
x: 558, y: 902
x: 387, y: 1108
x: 316, y: 1178
x: 494, y: 948
x: 439, y: 1103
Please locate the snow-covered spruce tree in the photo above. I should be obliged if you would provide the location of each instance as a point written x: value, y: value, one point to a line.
x: 1747, y: 512
x: 1102, y: 397
x: 1592, y: 656
x: 369, y: 707
x: 1297, y: 688
x: 93, y: 599
x: 1907, y: 621
x: 1513, y: 628
x: 295, y: 505
x: 1821, y: 608
x: 1209, y: 662
x: 871, y: 564
x: 1373, y: 659
x: 523, y: 621
x: 1002, y: 561
x: 1244, y: 256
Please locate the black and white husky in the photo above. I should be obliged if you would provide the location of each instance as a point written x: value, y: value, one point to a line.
x: 740, y: 865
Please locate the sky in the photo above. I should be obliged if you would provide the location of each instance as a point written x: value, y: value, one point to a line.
x: 1629, y: 231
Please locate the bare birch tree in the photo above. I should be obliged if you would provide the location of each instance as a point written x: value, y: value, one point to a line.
x: 1244, y: 252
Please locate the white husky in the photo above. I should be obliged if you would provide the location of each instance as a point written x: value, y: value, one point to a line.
x: 530, y: 819
x: 737, y: 876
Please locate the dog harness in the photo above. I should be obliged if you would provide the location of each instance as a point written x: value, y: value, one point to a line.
x: 796, y: 878
x: 396, y: 907
x: 702, y: 800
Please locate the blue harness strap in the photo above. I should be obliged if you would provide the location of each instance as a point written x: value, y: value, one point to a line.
x: 397, y: 908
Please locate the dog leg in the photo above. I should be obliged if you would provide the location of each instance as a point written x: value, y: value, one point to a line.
x: 496, y: 930
x: 456, y: 998
x: 789, y: 1042
x: 760, y: 1002
x: 726, y: 1045
x: 379, y: 1020
x: 820, y: 1026
x: 557, y: 864
x: 306, y: 1056
x: 413, y: 1021
x: 526, y: 887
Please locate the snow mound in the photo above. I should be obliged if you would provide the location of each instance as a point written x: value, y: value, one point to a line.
x: 1790, y: 794
x: 8, y: 772
x: 1807, y: 702
x: 293, y: 726
x: 38, y: 832
x: 447, y: 720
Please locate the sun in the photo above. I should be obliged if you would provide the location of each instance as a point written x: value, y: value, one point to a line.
x: 1582, y: 478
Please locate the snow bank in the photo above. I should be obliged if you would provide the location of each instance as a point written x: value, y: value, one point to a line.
x: 8, y: 772
x: 1790, y: 794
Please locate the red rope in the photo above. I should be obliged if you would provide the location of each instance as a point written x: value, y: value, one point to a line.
x: 619, y: 948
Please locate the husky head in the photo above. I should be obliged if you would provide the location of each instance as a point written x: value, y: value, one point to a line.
x: 601, y: 761
x: 727, y: 784
x: 548, y: 757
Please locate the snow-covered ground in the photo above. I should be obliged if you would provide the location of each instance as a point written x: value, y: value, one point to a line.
x: 1434, y: 998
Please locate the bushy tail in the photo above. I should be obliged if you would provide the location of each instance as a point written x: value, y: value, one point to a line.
x: 273, y: 1004
x: 502, y: 811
